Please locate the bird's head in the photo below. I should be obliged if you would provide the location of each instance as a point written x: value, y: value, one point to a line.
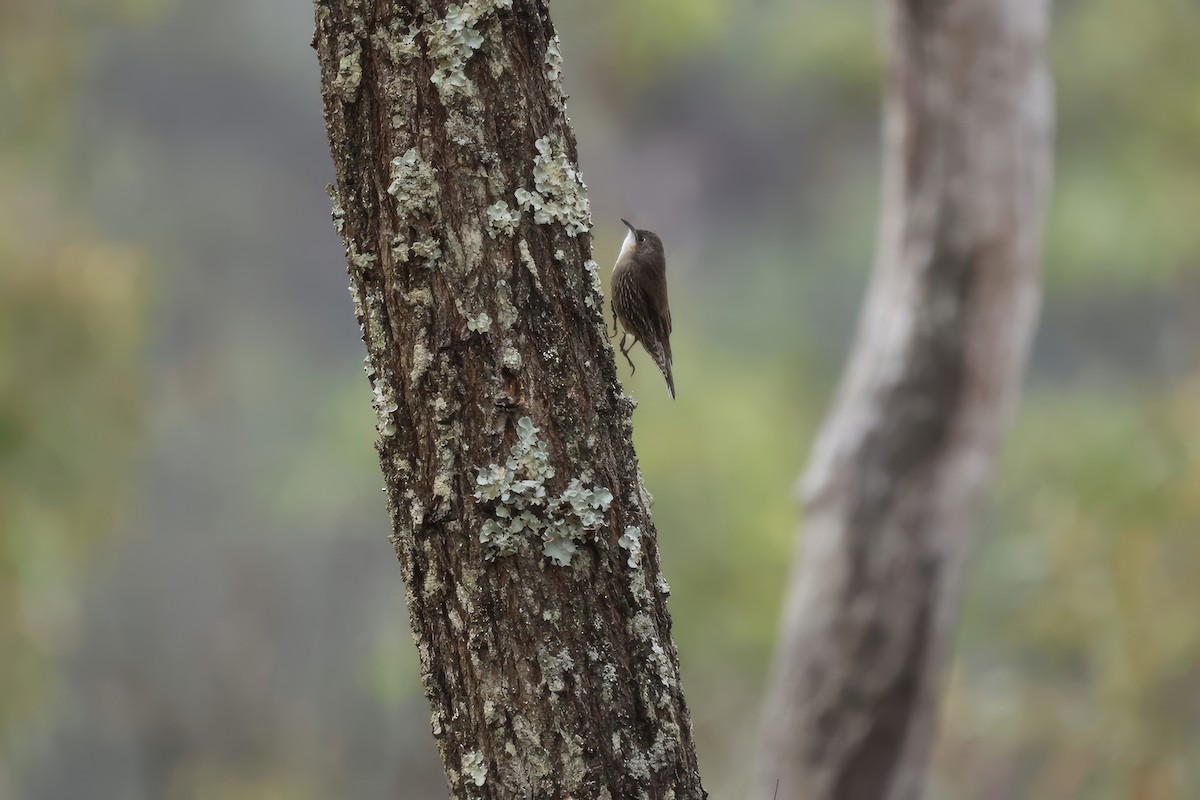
x: 641, y: 244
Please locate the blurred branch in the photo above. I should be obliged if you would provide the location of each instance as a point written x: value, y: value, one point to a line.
x: 910, y: 444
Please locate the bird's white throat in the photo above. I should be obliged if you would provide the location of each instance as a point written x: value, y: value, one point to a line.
x: 628, y: 247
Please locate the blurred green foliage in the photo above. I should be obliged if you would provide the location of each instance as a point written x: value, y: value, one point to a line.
x: 1079, y: 668
x: 1076, y: 673
x: 1129, y: 118
x: 71, y: 329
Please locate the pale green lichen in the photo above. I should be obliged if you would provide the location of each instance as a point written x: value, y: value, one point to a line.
x: 429, y: 249
x: 642, y: 626
x: 662, y: 664
x: 454, y: 39
x: 474, y: 767
x: 384, y: 403
x: 502, y: 219
x: 414, y: 184
x: 420, y: 297
x: 555, y: 666
x: 637, y: 767
x: 400, y: 251
x: 559, y: 194
x: 511, y: 358
x: 481, y: 323
x: 641, y: 765
x: 359, y: 262
x: 349, y: 74
x: 338, y: 214
x: 441, y: 487
x: 559, y: 549
x: 597, y: 291
x: 400, y: 47
x: 554, y: 61
x: 631, y: 540
x: 523, y: 508
x: 462, y: 126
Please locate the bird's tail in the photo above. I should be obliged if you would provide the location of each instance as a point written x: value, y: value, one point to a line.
x: 663, y: 361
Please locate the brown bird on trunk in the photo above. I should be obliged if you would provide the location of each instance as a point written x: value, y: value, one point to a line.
x: 639, y: 299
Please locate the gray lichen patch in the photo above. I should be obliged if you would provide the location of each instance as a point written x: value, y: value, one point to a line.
x: 597, y: 292
x: 662, y: 665
x: 511, y: 358
x: 337, y: 213
x: 349, y: 74
x: 359, y: 262
x: 400, y: 45
x: 555, y: 666
x: 414, y: 184
x: 480, y: 324
x: 454, y: 39
x: 384, y: 402
x: 428, y: 249
x: 559, y: 194
x: 523, y: 509
x: 631, y: 540
x: 554, y: 62
x: 474, y: 768
x: 502, y: 219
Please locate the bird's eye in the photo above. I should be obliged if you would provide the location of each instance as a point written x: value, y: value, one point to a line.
x: 641, y: 238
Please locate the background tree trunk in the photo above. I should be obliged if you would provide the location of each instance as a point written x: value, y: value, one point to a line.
x: 520, y: 519
x: 911, y: 441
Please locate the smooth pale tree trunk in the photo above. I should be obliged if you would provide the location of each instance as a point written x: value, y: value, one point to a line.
x: 911, y: 441
x: 520, y: 519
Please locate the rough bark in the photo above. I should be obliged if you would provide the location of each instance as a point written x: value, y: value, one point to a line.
x: 911, y: 441
x: 520, y: 519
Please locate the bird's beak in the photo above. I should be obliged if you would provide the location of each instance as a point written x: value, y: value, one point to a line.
x: 629, y: 225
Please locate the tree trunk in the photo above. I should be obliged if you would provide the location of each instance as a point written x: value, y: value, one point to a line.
x: 520, y: 519
x: 911, y: 441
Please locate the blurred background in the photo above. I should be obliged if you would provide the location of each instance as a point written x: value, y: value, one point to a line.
x: 197, y: 598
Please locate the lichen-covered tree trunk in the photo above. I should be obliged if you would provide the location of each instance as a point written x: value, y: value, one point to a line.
x: 520, y: 519
x: 910, y: 443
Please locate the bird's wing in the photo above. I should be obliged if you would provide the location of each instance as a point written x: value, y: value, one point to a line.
x: 655, y: 289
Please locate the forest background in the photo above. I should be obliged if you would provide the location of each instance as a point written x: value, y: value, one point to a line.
x: 197, y: 598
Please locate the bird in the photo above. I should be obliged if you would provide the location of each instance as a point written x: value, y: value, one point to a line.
x: 639, y: 300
